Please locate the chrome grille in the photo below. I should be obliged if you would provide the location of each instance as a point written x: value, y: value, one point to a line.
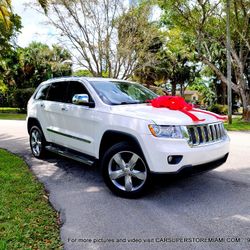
x: 198, y: 135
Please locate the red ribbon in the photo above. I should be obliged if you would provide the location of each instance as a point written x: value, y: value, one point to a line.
x: 220, y: 117
x: 178, y: 103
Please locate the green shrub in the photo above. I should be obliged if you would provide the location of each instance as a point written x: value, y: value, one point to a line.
x: 6, y: 100
x: 82, y: 72
x: 218, y: 108
x: 21, y: 97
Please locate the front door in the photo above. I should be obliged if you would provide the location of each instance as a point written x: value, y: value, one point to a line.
x: 79, y: 121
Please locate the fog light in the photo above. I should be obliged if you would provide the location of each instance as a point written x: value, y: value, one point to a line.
x: 170, y: 158
x: 174, y: 159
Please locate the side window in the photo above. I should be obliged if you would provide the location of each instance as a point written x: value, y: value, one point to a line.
x: 42, y: 93
x: 76, y: 88
x: 58, y: 92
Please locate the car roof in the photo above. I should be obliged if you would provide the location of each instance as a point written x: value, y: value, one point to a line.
x: 75, y: 78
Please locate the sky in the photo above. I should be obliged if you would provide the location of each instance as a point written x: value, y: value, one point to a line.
x: 34, y: 23
x: 34, y: 27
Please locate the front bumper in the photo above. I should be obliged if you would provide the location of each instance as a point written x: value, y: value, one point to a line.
x: 157, y: 150
x: 190, y: 169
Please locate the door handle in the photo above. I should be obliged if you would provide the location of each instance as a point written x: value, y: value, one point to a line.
x: 64, y: 109
x: 42, y: 105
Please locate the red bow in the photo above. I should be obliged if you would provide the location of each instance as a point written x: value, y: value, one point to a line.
x: 171, y: 102
x: 178, y: 103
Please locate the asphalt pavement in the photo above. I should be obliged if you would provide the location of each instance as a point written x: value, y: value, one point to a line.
x: 207, y: 211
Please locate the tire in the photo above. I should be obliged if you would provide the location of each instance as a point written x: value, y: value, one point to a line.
x: 125, y: 170
x: 37, y: 142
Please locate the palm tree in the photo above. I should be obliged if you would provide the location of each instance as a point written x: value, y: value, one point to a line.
x: 44, y: 4
x: 5, y: 13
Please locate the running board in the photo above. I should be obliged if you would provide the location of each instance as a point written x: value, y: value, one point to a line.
x: 71, y: 155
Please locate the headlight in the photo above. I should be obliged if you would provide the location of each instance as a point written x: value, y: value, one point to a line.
x: 167, y: 131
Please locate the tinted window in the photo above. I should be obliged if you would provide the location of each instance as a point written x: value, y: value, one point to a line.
x: 76, y: 88
x: 116, y: 93
x: 58, y: 92
x: 42, y: 93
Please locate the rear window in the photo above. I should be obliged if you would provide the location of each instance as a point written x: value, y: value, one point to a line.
x: 42, y: 92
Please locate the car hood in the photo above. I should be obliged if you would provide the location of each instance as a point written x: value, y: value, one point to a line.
x: 161, y: 116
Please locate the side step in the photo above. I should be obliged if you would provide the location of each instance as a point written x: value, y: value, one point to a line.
x: 70, y: 154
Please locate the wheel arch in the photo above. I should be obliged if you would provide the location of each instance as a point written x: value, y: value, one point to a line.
x: 31, y: 122
x: 111, y: 137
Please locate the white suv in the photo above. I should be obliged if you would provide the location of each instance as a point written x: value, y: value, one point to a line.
x: 90, y: 119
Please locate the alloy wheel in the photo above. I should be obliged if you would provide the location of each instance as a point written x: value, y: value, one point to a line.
x: 127, y: 171
x: 36, y: 142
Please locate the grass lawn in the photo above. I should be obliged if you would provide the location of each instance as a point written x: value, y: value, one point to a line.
x: 8, y: 113
x: 27, y: 221
x: 237, y: 125
x: 9, y: 110
x: 12, y: 116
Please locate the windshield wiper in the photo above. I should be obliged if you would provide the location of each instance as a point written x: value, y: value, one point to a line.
x: 125, y: 103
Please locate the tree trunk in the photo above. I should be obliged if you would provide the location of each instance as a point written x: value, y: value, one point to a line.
x: 246, y: 114
x: 173, y: 89
x: 224, y: 94
x: 182, y: 90
x: 239, y: 88
x: 244, y: 93
x: 245, y: 98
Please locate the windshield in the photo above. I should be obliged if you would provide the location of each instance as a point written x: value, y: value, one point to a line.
x: 119, y: 93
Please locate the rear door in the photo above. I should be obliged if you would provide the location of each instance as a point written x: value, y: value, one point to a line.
x: 54, y: 109
x: 40, y: 99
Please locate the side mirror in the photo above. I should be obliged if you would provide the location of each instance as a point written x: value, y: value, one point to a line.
x: 82, y: 99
